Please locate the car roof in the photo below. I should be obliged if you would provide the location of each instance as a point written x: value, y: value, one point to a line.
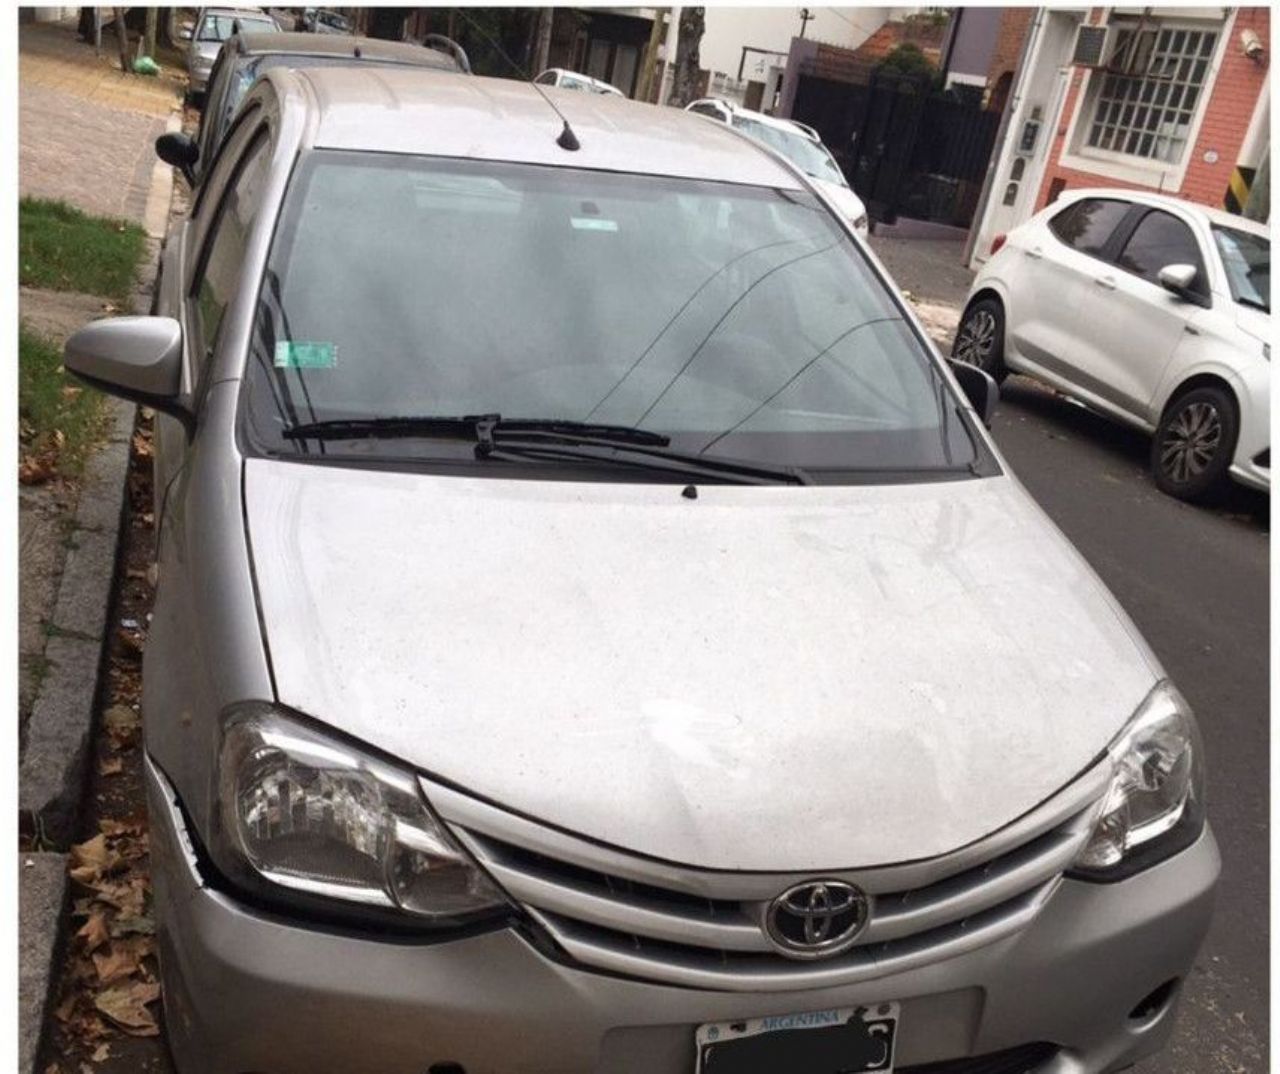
x: 778, y: 122
x: 1218, y: 217
x: 412, y: 110
x: 371, y: 48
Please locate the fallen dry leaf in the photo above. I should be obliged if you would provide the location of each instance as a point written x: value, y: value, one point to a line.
x: 126, y: 1006
x: 119, y: 961
x: 94, y: 931
x: 91, y: 860
x: 63, y: 1010
x: 110, y: 766
x: 127, y: 925
x: 101, y: 1052
x: 120, y: 717
x: 35, y: 470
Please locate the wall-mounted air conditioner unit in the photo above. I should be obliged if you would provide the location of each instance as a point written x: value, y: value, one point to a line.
x: 1092, y: 46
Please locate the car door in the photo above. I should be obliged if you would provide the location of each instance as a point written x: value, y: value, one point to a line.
x: 1131, y: 326
x: 1057, y: 261
x: 218, y: 231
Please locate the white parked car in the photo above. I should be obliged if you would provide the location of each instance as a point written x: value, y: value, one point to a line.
x: 797, y: 142
x: 558, y: 76
x: 1147, y: 309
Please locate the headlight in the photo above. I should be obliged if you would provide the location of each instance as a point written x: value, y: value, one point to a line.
x: 310, y: 814
x: 1155, y: 804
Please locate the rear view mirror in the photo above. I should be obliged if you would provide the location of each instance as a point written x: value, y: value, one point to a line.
x: 978, y: 388
x: 1178, y: 279
x: 136, y: 358
x: 181, y: 152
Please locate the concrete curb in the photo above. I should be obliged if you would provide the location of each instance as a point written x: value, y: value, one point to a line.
x: 52, y: 774
x: 42, y: 891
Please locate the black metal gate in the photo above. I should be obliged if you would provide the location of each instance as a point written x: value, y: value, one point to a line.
x: 904, y: 149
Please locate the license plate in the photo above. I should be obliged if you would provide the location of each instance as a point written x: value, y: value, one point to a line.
x: 850, y: 1040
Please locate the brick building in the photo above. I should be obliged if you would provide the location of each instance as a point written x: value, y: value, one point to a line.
x: 1175, y: 100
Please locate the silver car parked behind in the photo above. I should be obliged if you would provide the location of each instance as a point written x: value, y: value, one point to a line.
x: 595, y: 632
x: 212, y: 27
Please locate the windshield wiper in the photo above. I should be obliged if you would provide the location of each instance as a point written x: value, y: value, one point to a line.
x: 737, y: 471
x: 482, y: 428
x: 552, y: 439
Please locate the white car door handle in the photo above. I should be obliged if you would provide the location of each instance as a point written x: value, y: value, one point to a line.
x: 1035, y: 253
x: 1109, y: 282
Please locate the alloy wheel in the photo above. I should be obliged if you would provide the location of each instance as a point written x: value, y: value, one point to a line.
x: 977, y: 339
x: 1190, y: 442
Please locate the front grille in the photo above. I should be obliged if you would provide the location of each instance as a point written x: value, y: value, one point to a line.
x: 628, y: 915
x: 1025, y: 1060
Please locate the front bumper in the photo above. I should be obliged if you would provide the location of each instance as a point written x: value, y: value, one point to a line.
x: 198, y: 71
x: 1252, y: 462
x: 246, y: 992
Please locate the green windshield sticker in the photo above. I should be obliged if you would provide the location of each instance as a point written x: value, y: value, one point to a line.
x: 294, y: 354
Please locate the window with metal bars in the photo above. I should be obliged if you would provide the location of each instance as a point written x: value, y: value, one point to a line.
x: 1148, y: 111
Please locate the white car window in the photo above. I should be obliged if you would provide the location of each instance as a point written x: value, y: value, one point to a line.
x: 1159, y: 240
x: 1089, y: 224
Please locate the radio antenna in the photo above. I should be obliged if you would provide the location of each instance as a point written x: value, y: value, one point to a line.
x: 566, y: 140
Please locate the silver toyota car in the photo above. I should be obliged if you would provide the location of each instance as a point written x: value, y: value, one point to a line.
x: 595, y: 631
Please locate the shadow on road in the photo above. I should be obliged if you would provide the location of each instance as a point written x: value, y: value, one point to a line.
x: 1063, y: 416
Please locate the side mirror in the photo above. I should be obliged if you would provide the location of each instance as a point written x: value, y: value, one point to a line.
x: 181, y: 151
x: 1178, y: 279
x: 978, y: 388
x: 136, y: 358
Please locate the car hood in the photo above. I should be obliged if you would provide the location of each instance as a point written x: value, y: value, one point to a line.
x: 849, y: 204
x: 772, y: 678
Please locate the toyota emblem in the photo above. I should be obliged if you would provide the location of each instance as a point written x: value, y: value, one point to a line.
x: 816, y: 919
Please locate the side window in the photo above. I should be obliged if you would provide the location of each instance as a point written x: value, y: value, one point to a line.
x: 203, y: 130
x: 219, y: 271
x: 708, y: 110
x: 1087, y: 225
x: 1159, y: 240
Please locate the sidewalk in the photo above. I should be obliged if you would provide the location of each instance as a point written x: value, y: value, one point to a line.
x: 86, y: 134
x: 86, y: 131
x: 935, y: 279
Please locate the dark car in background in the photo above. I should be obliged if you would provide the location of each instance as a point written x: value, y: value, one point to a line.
x: 245, y: 56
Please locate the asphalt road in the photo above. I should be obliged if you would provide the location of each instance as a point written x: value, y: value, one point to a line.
x: 1196, y: 581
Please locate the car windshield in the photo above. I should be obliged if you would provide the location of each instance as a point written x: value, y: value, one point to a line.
x: 220, y: 27
x: 738, y: 321
x: 809, y: 156
x: 1247, y: 259
x: 335, y: 21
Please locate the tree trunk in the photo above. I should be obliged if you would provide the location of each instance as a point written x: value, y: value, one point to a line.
x: 153, y: 18
x: 644, y: 91
x: 688, y: 73
x: 542, y: 44
x: 122, y: 35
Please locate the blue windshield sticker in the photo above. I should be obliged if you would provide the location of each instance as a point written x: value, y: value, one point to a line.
x: 295, y: 354
x: 592, y: 223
